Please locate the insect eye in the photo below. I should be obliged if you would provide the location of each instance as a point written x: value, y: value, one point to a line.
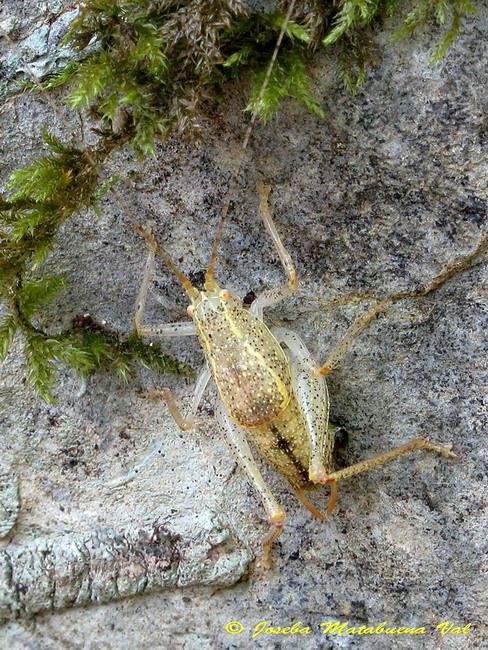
x: 225, y: 295
x: 190, y: 310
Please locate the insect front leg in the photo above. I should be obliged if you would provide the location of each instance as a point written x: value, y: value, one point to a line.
x: 186, y: 421
x: 186, y: 328
x: 168, y: 329
x: 272, y: 296
x: 236, y: 437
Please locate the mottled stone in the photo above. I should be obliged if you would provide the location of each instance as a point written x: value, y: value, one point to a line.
x: 9, y: 500
x: 375, y: 198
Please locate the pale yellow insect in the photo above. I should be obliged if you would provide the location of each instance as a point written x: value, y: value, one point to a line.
x: 270, y: 390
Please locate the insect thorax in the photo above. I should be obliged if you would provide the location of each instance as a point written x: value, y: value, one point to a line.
x: 249, y: 366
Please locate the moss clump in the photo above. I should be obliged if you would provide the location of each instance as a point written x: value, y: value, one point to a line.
x: 107, y: 349
x: 152, y: 65
x: 42, y: 196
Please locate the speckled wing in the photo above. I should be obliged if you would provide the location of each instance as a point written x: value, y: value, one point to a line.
x: 249, y: 367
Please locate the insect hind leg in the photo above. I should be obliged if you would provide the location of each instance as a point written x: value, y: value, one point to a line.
x: 313, y: 400
x: 417, y: 443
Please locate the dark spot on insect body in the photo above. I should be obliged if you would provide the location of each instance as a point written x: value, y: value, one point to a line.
x: 284, y: 446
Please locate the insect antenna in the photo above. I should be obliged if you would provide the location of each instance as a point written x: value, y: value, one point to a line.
x: 209, y: 275
x: 154, y: 246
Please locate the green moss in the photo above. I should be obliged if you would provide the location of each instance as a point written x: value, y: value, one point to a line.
x: 108, y: 349
x: 440, y: 12
x: 41, y: 197
x: 156, y: 63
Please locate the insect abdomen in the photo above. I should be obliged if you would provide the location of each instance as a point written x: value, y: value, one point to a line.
x: 284, y: 444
